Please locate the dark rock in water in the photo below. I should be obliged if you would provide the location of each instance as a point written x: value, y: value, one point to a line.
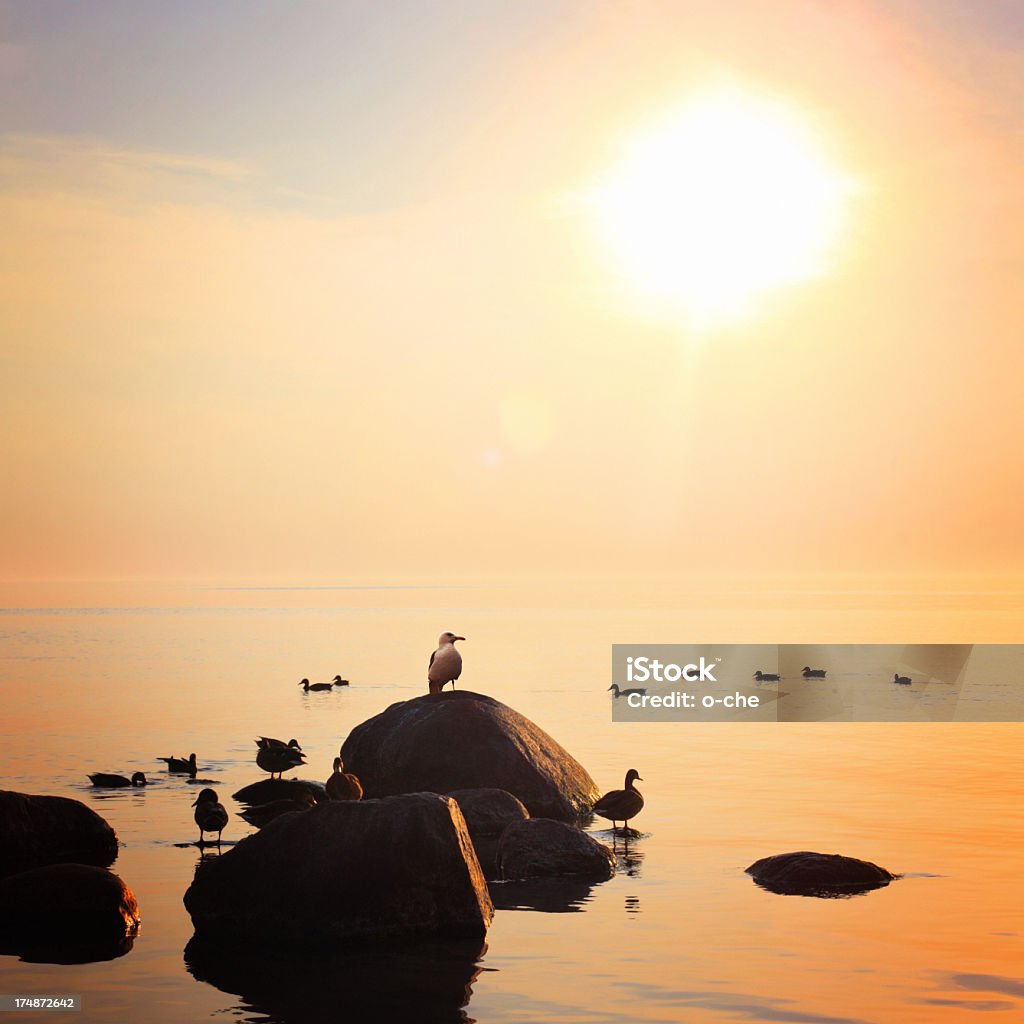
x: 38, y: 830
x: 266, y: 790
x: 818, y: 874
x: 464, y: 740
x: 488, y: 811
x: 422, y: 980
x: 65, y: 907
x: 542, y: 848
x: 346, y: 870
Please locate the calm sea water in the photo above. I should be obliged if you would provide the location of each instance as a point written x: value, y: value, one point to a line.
x: 110, y: 678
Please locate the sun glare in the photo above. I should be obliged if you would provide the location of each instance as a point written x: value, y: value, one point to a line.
x: 727, y: 199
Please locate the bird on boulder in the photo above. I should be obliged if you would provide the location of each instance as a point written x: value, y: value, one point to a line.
x: 116, y: 781
x: 280, y: 759
x: 210, y: 814
x: 445, y: 664
x: 265, y: 742
x: 181, y: 765
x: 342, y: 786
x: 622, y: 804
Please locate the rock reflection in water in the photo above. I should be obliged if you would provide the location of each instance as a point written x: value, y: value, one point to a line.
x: 65, y: 953
x: 547, y: 895
x: 428, y: 982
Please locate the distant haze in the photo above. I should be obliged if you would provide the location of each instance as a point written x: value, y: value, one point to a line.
x: 295, y: 291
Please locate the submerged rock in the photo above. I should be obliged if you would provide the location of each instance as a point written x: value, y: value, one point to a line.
x: 464, y: 740
x: 541, y: 848
x: 267, y: 790
x: 66, y: 905
x: 818, y: 874
x: 347, y: 870
x: 38, y: 830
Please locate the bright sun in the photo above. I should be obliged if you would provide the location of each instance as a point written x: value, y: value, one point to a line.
x: 727, y: 199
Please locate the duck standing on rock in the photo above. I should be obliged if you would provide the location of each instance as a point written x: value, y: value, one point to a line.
x: 210, y: 814
x: 445, y: 664
x: 622, y: 804
x: 266, y: 742
x: 116, y: 781
x: 342, y: 786
x: 181, y: 765
x: 279, y: 758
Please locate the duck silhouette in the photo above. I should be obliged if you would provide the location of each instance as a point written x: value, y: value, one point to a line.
x: 210, y: 814
x: 622, y: 804
x: 278, y: 759
x: 181, y: 765
x: 617, y: 693
x: 902, y: 680
x: 342, y: 786
x: 767, y: 677
x: 813, y: 673
x: 116, y: 781
x: 307, y: 686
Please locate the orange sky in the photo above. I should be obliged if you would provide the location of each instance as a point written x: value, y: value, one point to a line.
x: 221, y: 362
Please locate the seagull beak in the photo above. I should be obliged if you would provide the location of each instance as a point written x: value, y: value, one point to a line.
x: 460, y: 638
x: 194, y: 802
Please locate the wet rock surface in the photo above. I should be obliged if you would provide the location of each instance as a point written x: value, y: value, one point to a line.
x: 344, y: 871
x: 542, y: 848
x: 818, y: 874
x: 463, y: 740
x: 40, y: 830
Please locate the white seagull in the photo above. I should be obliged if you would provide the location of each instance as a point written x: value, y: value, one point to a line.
x: 445, y: 663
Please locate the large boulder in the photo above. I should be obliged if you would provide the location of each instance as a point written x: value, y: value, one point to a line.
x: 464, y: 740
x: 818, y: 874
x: 38, y: 830
x: 65, y: 905
x: 347, y: 870
x: 541, y: 848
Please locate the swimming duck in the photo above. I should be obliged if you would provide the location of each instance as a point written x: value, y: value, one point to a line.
x: 269, y: 741
x: 181, y: 765
x: 264, y: 814
x: 342, y: 786
x: 117, y: 781
x: 279, y: 759
x: 617, y: 693
x: 338, y: 681
x: 813, y: 673
x: 210, y: 814
x: 307, y: 685
x: 622, y: 804
x: 902, y: 680
x: 445, y: 665
x: 766, y: 677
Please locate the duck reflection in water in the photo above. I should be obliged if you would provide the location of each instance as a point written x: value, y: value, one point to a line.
x: 415, y: 981
x: 628, y: 855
